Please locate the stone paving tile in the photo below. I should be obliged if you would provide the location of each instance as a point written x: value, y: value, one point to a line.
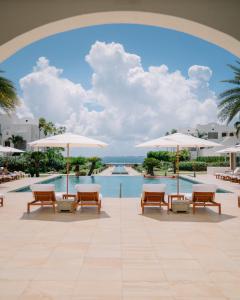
x: 119, y: 254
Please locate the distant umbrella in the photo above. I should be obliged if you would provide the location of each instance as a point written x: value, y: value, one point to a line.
x: 67, y: 140
x: 178, y: 140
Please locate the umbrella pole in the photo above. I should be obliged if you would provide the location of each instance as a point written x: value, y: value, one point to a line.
x: 177, y: 168
x: 67, y: 166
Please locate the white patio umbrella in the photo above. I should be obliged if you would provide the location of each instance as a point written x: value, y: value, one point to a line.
x: 10, y: 150
x: 231, y: 150
x: 67, y: 140
x: 178, y: 140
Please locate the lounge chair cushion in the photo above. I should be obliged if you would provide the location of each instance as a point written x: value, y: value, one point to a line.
x: 154, y: 188
x: 43, y: 187
x: 85, y: 188
x: 236, y: 171
x: 208, y: 188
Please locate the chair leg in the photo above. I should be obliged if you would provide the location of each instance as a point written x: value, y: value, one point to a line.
x: 142, y: 209
x: 28, y: 208
x: 238, y: 201
x: 193, y: 209
x: 168, y: 209
x: 219, y: 209
x: 1, y: 202
x: 99, y: 207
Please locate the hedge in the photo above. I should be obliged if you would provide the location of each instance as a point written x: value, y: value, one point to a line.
x: 192, y: 166
x: 212, y: 159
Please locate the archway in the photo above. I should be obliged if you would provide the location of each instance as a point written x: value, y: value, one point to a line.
x: 131, y: 17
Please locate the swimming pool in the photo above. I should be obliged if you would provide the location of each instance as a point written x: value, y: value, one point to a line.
x: 119, y: 170
x: 131, y: 186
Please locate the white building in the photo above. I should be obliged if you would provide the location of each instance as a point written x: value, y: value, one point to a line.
x: 215, y: 132
x: 27, y: 128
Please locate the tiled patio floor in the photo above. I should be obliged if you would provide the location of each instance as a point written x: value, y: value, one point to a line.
x: 119, y: 254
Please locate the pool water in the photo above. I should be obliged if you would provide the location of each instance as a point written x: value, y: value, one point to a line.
x: 131, y: 186
x: 119, y: 170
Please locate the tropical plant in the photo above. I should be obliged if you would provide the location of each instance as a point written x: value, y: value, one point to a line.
x: 229, y: 107
x: 160, y: 155
x: 193, y: 166
x: 150, y: 163
x: 184, y: 155
x: 201, y: 134
x: 8, y: 95
x: 94, y: 162
x: 49, y: 128
x: 54, y: 159
x: 17, y: 140
x: 237, y: 128
x: 36, y: 160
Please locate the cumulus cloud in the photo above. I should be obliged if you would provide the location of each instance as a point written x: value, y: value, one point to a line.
x: 125, y: 104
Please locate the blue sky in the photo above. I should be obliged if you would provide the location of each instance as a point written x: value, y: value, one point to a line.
x: 120, y: 83
x: 154, y: 45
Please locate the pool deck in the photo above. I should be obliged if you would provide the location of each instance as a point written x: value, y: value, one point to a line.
x: 119, y: 254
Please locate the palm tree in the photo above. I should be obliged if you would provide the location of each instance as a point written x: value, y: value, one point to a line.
x: 17, y: 140
x: 8, y: 95
x: 237, y: 127
x: 150, y: 163
x: 41, y: 125
x: 93, y: 160
x: 229, y: 107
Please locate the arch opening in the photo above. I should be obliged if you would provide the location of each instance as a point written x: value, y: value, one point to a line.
x: 204, y: 32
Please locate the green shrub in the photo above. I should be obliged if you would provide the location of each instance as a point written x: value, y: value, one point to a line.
x: 82, y: 173
x: 192, y: 166
x: 219, y: 164
x: 212, y: 159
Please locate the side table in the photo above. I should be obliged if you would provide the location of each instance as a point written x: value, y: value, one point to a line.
x: 172, y: 197
x: 180, y: 206
x: 67, y: 203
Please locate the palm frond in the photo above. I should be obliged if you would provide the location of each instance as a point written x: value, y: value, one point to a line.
x: 230, y: 92
x: 228, y: 112
x: 8, y: 95
x: 232, y: 81
x: 229, y: 100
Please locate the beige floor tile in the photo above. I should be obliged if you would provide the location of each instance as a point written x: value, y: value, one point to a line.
x: 49, y: 289
x: 100, y: 274
x: 18, y: 273
x: 194, y: 289
x: 102, y: 262
x: 179, y: 264
x: 185, y: 275
x: 233, y: 277
x: 229, y: 289
x: 147, y: 289
x: 143, y: 274
x: 97, y: 289
x: 119, y: 254
x: 11, y: 288
x: 57, y: 274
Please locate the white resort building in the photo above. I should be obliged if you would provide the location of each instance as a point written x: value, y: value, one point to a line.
x: 27, y: 128
x: 215, y: 132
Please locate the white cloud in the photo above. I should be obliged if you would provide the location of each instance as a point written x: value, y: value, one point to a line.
x: 132, y: 104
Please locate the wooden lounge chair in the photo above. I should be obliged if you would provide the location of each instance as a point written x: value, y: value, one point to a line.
x: 1, y: 200
x: 204, y: 195
x: 89, y: 195
x: 153, y: 195
x: 44, y: 195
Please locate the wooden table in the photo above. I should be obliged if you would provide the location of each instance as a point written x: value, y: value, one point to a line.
x: 172, y: 197
x: 68, y: 203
